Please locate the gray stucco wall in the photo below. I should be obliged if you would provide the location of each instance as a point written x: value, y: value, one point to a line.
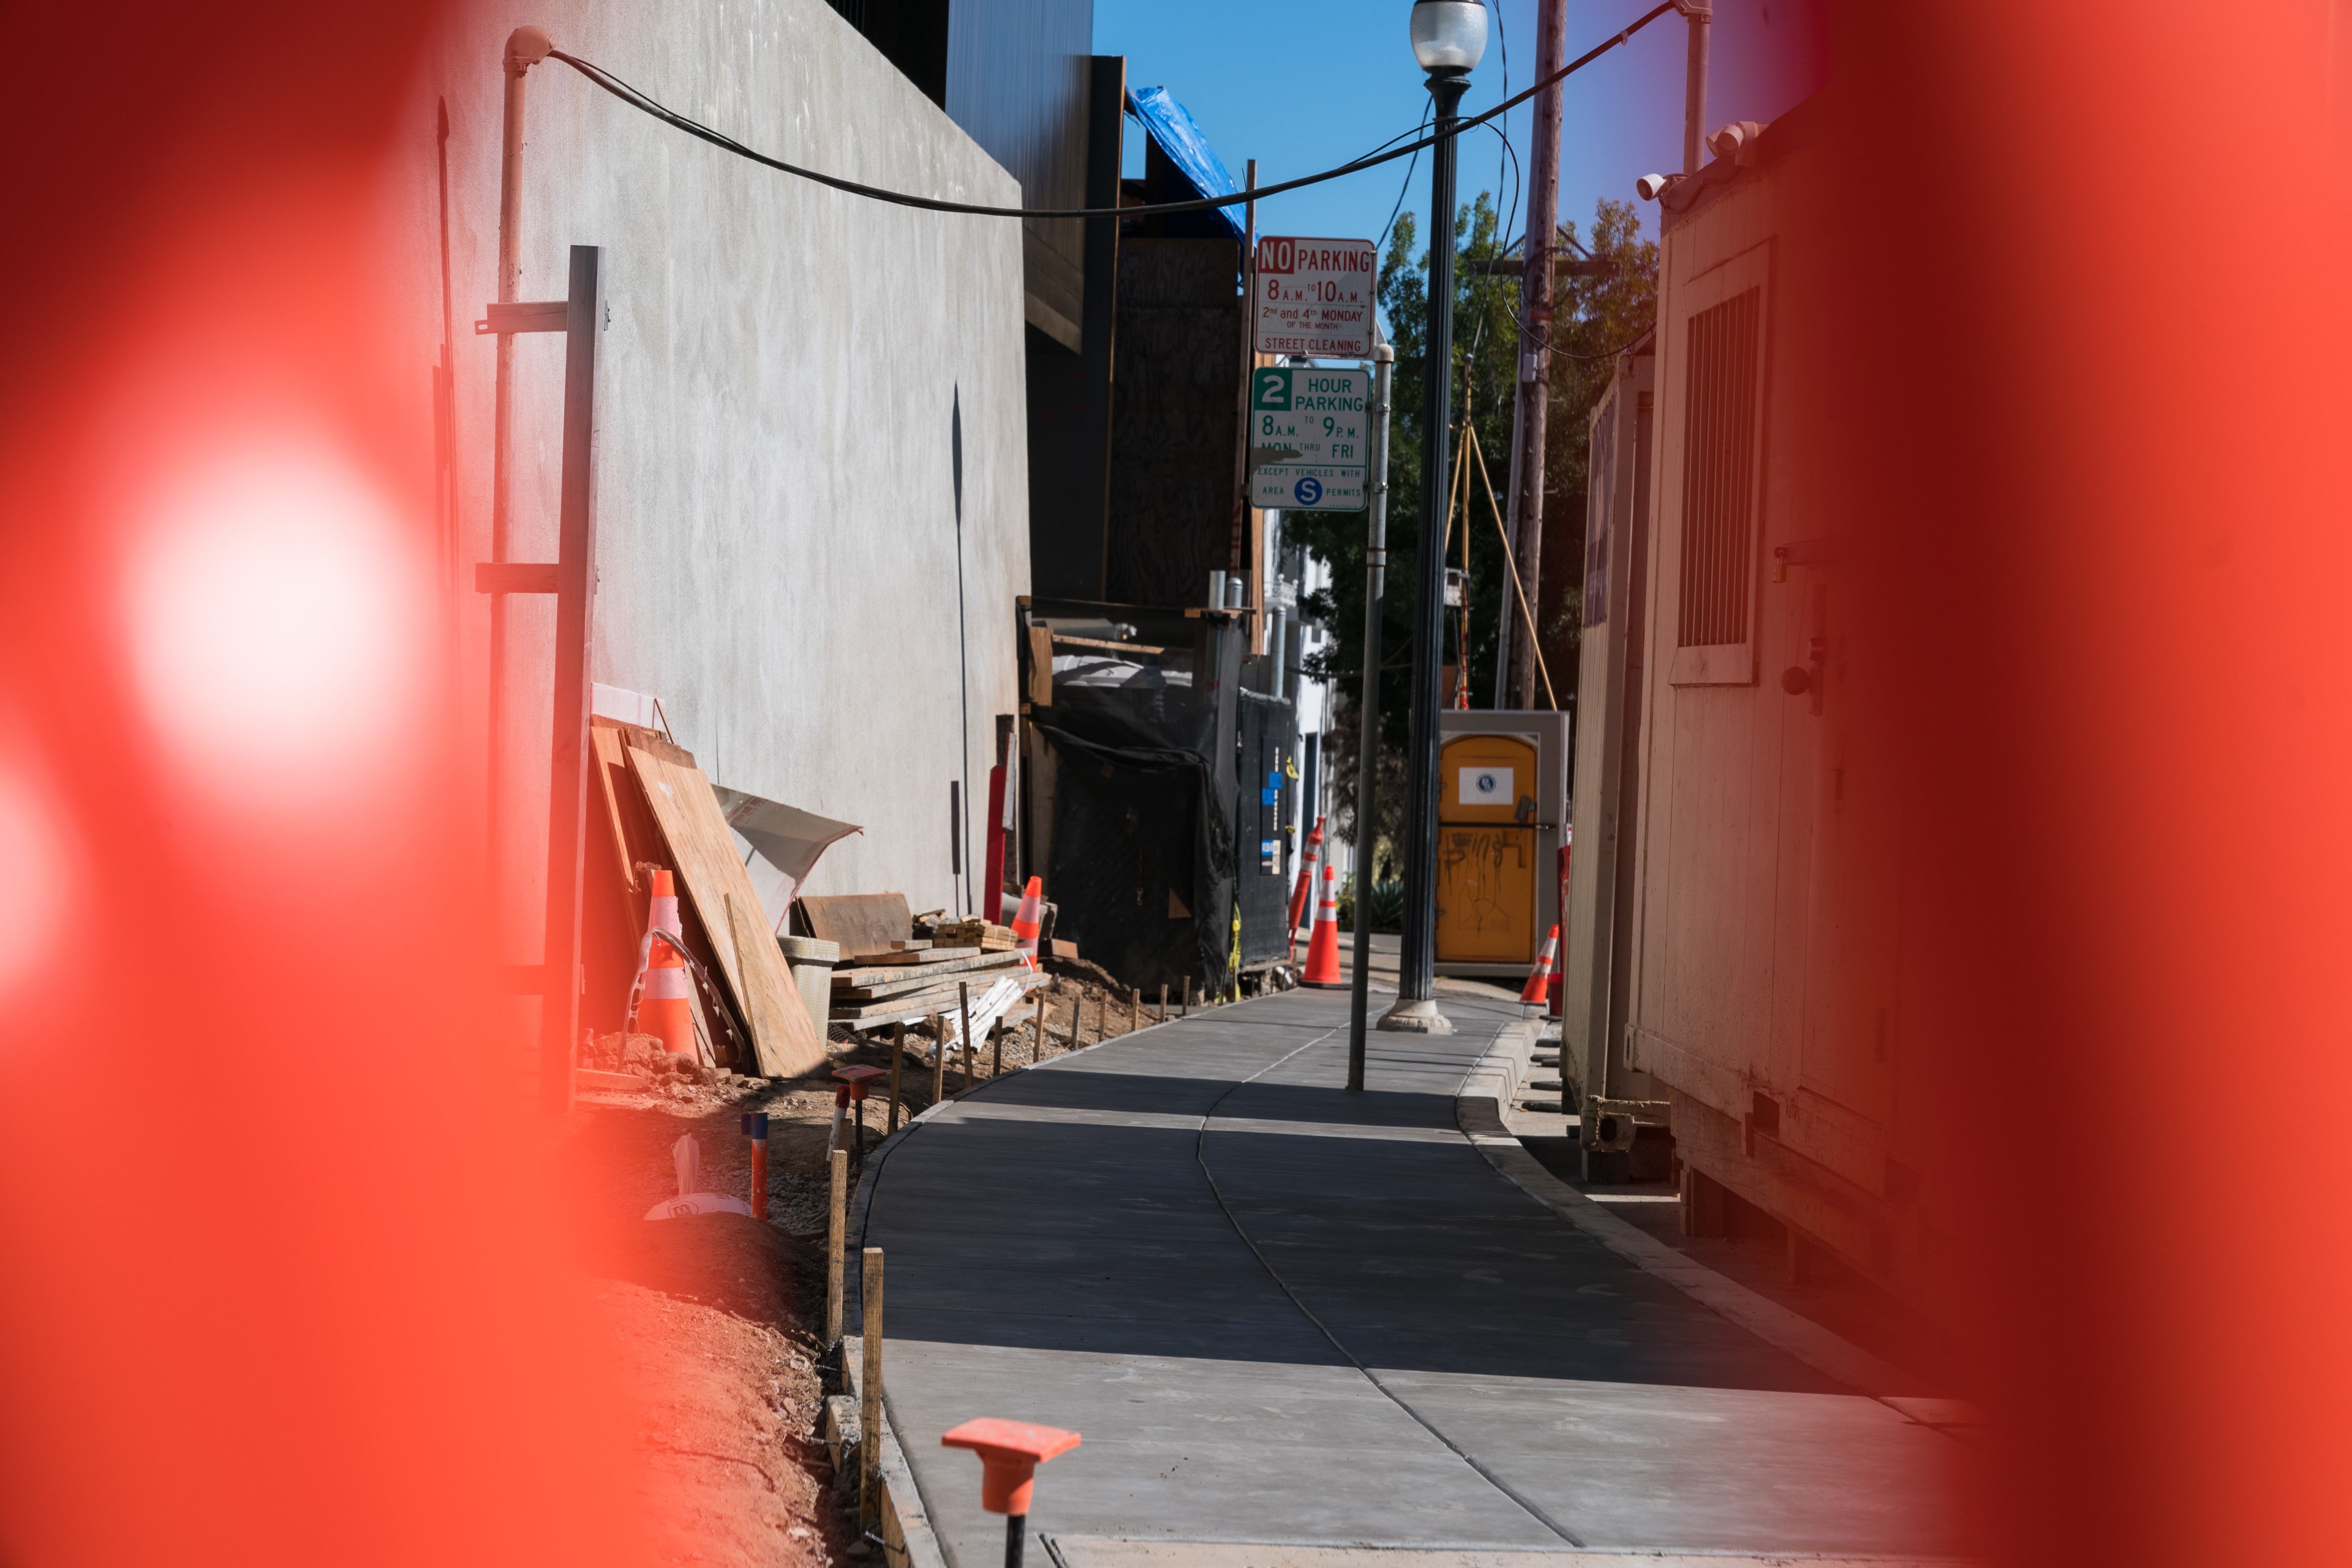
x: 779, y: 549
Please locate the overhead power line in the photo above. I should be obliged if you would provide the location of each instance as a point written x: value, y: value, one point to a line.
x: 646, y: 104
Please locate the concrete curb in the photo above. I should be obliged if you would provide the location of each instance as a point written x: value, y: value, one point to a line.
x: 1478, y: 1111
x: 907, y: 1538
x: 1117, y: 1552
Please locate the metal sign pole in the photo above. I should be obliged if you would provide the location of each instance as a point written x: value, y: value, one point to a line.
x: 1376, y: 560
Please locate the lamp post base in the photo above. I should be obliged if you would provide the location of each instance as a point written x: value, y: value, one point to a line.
x: 1415, y: 1018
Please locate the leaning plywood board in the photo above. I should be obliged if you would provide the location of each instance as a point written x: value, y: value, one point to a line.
x: 621, y: 836
x: 782, y: 1037
x: 860, y: 922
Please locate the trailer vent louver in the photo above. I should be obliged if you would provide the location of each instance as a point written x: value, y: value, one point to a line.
x: 1718, y: 473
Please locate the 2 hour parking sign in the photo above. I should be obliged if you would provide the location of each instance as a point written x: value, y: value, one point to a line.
x: 1308, y: 438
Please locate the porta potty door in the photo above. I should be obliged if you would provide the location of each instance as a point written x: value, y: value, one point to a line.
x: 1486, y: 859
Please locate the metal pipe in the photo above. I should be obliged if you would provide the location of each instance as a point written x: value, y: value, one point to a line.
x: 1368, y: 744
x: 526, y: 47
x: 1416, y: 967
x: 1700, y: 16
x: 1535, y: 356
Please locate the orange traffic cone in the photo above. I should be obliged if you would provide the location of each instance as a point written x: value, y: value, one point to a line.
x: 1323, y: 948
x: 1539, y: 983
x: 667, y: 1007
x: 1298, y: 893
x: 1025, y: 922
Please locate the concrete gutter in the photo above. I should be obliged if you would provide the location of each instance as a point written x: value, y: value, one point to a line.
x: 1478, y: 1105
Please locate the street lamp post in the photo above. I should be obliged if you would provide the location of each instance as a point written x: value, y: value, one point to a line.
x: 1448, y: 37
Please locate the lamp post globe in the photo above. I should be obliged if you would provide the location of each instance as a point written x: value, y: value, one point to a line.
x: 1449, y: 35
x: 1448, y: 38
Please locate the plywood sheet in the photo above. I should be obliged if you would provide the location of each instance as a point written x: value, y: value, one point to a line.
x: 861, y: 923
x: 782, y: 1037
x: 628, y: 838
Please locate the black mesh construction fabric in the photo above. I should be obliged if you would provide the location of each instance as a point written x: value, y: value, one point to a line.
x: 1142, y: 861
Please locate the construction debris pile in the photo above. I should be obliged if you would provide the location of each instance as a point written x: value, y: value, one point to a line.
x: 898, y: 968
x: 644, y: 1064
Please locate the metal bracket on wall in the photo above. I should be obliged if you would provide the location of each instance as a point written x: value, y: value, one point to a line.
x: 525, y: 316
x: 516, y: 576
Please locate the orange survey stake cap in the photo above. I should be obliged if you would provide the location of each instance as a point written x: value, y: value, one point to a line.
x: 1010, y: 1453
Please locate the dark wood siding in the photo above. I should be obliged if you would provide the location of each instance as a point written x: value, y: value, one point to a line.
x: 1178, y: 372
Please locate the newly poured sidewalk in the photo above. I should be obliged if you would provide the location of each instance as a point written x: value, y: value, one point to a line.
x: 1282, y: 1313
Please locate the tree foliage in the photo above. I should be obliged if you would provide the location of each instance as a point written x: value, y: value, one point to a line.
x: 1592, y: 316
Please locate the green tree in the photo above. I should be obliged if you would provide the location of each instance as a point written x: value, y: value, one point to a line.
x: 1594, y: 316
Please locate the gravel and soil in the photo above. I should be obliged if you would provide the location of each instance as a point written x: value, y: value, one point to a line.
x: 719, y: 1316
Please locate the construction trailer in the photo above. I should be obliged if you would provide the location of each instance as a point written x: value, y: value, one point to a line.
x: 1158, y: 769
x: 1502, y: 815
x: 1743, y: 967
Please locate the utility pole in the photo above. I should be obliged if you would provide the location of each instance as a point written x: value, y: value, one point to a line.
x: 1245, y: 544
x: 1535, y: 351
x: 1368, y: 758
x: 1700, y: 15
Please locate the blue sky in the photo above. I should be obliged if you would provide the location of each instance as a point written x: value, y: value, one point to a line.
x: 1303, y: 85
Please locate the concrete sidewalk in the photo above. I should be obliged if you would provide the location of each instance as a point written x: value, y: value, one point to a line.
x: 1280, y: 1313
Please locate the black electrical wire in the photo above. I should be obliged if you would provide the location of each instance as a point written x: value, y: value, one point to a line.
x: 639, y: 100
x: 1644, y: 331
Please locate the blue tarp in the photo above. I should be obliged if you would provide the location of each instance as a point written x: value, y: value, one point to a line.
x: 1171, y: 125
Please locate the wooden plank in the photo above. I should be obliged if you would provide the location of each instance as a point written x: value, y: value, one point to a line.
x: 935, y: 999
x: 911, y: 950
x: 860, y: 922
x: 1041, y: 667
x: 875, y: 992
x: 784, y: 1038
x: 1061, y: 641
x: 920, y: 973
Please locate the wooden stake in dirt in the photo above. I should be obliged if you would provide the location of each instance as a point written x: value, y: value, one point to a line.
x: 1038, y: 1040
x: 1184, y: 1008
x: 869, y: 1388
x: 837, y: 1234
x: 964, y: 1006
x: 897, y: 1060
x: 996, y: 1040
x: 938, y: 1058
x: 1134, y: 1011
x: 1077, y: 1010
x: 1163, y: 1001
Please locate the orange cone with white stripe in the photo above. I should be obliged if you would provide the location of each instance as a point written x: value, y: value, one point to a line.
x: 1298, y: 894
x: 1031, y: 915
x: 1539, y: 983
x: 1323, y: 948
x: 667, y: 1008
